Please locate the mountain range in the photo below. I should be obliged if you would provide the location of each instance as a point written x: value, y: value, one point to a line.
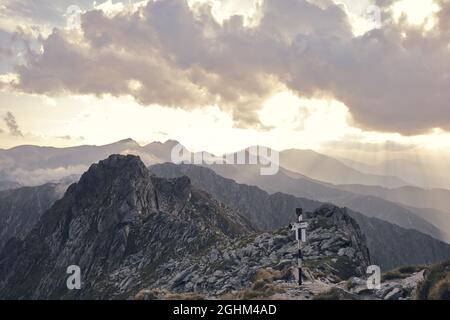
x: 135, y: 235
x: 328, y: 169
x: 22, y: 208
x: 416, y: 169
x: 45, y: 224
x: 390, y: 246
x: 409, y: 207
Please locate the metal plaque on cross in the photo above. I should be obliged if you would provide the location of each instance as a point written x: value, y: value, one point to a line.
x: 300, y: 231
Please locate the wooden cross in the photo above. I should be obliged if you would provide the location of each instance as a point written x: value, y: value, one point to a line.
x: 300, y: 235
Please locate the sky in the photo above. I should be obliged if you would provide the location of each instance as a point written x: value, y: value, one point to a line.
x: 362, y: 78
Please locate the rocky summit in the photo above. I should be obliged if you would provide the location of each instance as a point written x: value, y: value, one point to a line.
x: 118, y: 217
x: 135, y: 235
x: 334, y: 253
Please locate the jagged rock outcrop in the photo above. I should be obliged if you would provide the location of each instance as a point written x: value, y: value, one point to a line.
x: 390, y: 245
x: 116, y: 215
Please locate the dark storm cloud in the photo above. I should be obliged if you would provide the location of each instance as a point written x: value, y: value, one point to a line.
x: 392, y: 79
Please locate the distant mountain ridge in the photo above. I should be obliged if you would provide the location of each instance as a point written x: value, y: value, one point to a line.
x: 38, y: 165
x: 31, y: 158
x: 422, y: 173
x: 34, y: 165
x: 299, y: 186
x: 413, y: 196
x: 328, y: 169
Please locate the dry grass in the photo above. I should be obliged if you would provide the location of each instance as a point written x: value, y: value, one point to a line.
x: 262, y: 287
x: 184, y: 296
x: 402, y: 272
x: 268, y: 275
x: 258, y: 291
x: 441, y: 290
x: 158, y: 294
x: 436, y: 285
x: 332, y: 294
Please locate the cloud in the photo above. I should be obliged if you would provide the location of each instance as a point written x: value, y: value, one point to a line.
x: 40, y: 11
x: 41, y: 176
x: 12, y: 125
x: 69, y: 138
x: 395, y: 78
x: 8, y: 80
x: 65, y: 137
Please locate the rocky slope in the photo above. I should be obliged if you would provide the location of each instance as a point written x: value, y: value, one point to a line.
x: 8, y: 185
x: 390, y: 246
x: 261, y: 267
x: 335, y: 252
x: 20, y: 209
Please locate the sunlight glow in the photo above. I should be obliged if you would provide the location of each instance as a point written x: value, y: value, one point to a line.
x: 417, y: 12
x: 223, y: 10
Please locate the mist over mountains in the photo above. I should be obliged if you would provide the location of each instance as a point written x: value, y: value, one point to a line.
x: 328, y: 169
x: 416, y: 169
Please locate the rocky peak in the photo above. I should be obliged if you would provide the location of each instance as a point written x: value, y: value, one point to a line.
x: 128, y: 142
x: 163, y: 150
x: 114, y: 191
x: 117, y: 214
x: 337, y: 238
x: 337, y: 219
x: 121, y: 168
